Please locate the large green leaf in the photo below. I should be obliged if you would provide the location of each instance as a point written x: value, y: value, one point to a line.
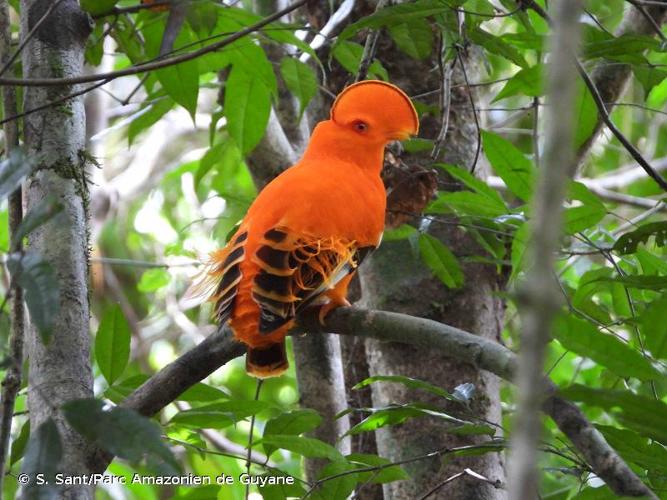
x: 396, y: 14
x: 511, y: 164
x: 412, y: 383
x: 247, y: 108
x: 112, y: 344
x: 97, y: 7
x: 414, y: 37
x: 643, y: 414
x: 642, y: 282
x: 629, y: 241
x: 654, y: 327
x: 497, y: 45
x: 583, y: 338
x: 42, y: 456
x: 40, y: 284
x: 528, y: 82
x: 635, y: 448
x: 585, y: 115
x: 300, y: 80
x: 349, y: 55
x: 120, y: 431
x: 291, y: 423
x: 19, y: 444
x: 219, y: 415
x: 467, y: 203
x: 440, y: 260
x: 198, y: 393
x: 304, y: 446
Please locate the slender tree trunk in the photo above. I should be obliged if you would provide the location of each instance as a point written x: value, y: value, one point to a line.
x: 59, y: 371
x: 396, y: 280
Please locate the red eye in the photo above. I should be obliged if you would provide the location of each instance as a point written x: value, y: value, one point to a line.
x: 360, y: 126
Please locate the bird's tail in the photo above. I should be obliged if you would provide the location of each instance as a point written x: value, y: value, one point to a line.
x: 267, y: 362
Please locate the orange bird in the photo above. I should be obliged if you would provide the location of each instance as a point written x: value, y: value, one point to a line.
x: 309, y: 229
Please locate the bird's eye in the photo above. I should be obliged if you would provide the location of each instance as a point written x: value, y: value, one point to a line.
x: 360, y: 126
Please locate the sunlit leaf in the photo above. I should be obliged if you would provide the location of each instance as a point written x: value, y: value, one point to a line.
x: 583, y: 338
x: 510, y: 164
x: 305, y: 446
x: 153, y: 279
x: 112, y: 344
x: 629, y: 242
x: 300, y: 80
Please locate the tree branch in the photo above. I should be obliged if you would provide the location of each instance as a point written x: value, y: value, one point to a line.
x: 152, y: 65
x: 219, y: 348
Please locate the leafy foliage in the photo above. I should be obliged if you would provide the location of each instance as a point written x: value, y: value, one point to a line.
x: 191, y: 127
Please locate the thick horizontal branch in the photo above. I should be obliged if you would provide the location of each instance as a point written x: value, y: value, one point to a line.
x: 219, y: 348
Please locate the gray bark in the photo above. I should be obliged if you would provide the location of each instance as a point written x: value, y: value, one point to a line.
x: 396, y: 280
x: 59, y: 371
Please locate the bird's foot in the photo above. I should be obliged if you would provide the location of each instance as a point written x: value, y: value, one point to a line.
x: 330, y: 306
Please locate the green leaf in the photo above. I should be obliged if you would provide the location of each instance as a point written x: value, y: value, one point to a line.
x: 583, y: 338
x: 497, y: 45
x: 304, y: 446
x: 634, y: 448
x: 349, y: 55
x: 400, y: 233
x: 629, y: 242
x: 412, y: 383
x: 112, y: 344
x: 585, y: 115
x: 386, y: 473
x: 649, y: 77
x: 519, y: 245
x: 280, y: 489
x: 198, y: 393
x: 247, y: 107
x: 414, y: 37
x: 510, y: 164
x: 528, y: 82
x: 12, y: 172
x: 40, y: 284
x: 120, y: 431
x: 153, y: 279
x: 300, y: 80
x: 219, y: 415
x: 440, y: 260
x: 148, y: 116
x: 394, y: 415
x: 45, y: 210
x: 619, y: 48
x: 97, y: 7
x: 180, y: 81
x: 643, y: 414
x: 654, y: 327
x: 19, y: 444
x: 292, y: 423
x: 396, y: 14
x: 467, y: 203
x: 42, y: 456
x: 643, y: 282
x: 577, y: 219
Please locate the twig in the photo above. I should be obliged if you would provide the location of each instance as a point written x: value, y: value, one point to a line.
x: 649, y: 18
x: 466, y: 472
x: 445, y: 99
x: 250, y: 435
x: 12, y: 382
x: 474, y: 111
x: 369, y: 47
x: 141, y: 263
x: 152, y: 65
x: 217, y: 349
x: 602, y: 109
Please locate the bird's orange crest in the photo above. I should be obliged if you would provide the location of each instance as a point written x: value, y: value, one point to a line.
x: 389, y: 103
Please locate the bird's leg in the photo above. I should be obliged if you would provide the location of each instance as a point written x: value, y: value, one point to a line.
x: 337, y: 297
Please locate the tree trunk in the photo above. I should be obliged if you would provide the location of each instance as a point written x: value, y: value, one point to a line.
x: 396, y: 280
x: 59, y: 371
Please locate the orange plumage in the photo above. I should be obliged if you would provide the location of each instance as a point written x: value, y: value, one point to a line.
x: 305, y: 234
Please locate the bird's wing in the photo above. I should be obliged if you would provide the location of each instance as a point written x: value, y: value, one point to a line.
x: 295, y: 270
